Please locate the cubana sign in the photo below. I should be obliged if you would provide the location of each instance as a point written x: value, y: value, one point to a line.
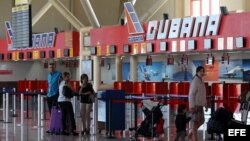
x: 186, y: 27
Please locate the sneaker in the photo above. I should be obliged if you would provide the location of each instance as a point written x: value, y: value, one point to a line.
x: 65, y: 133
x: 87, y: 132
x: 74, y: 133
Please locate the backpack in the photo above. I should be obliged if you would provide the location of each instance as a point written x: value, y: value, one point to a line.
x: 68, y: 92
x: 223, y: 115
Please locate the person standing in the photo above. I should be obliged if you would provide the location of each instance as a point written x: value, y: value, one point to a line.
x: 66, y: 106
x: 54, y: 77
x: 86, y: 92
x: 197, y: 100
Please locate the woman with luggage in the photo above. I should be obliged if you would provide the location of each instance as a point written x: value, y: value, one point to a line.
x: 66, y: 106
x: 86, y: 92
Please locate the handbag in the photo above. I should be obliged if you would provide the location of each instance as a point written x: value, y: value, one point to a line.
x: 92, y: 98
x: 67, y: 92
x: 214, y: 126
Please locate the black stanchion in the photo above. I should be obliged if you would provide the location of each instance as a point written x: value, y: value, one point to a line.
x: 109, y: 130
x: 136, y: 103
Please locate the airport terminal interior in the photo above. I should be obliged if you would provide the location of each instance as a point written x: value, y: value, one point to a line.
x: 140, y: 57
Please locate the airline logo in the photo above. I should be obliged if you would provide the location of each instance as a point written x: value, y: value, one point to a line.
x: 133, y: 23
x: 9, y: 33
x: 38, y: 40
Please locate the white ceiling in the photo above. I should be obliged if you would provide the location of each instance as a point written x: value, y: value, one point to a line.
x: 46, y: 14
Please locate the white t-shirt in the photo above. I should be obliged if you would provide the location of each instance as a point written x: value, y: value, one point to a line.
x: 197, y: 93
x: 61, y: 97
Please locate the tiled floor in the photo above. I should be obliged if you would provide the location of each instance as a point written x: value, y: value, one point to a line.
x: 13, y: 131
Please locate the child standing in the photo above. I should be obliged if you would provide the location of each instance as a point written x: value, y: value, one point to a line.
x: 180, y: 123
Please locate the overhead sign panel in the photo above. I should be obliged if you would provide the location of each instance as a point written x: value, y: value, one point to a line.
x: 133, y: 23
x: 21, y: 23
x: 40, y: 40
x: 20, y: 2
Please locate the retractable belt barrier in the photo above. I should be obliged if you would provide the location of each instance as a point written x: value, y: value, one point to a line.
x: 5, y: 97
x: 170, y: 99
x: 6, y: 92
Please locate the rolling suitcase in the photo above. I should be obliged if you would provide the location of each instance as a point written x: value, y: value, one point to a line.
x: 56, y: 120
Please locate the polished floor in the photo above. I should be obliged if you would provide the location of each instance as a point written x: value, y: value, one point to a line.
x: 14, y: 131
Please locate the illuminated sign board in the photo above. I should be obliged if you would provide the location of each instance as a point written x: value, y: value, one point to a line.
x: 186, y: 27
x: 20, y: 2
x: 40, y: 40
x: 134, y: 25
x: 21, y: 23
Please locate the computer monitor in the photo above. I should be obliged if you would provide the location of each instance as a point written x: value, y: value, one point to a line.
x: 20, y: 55
x: 93, y: 50
x: 126, y: 48
x: 112, y: 49
x: 29, y: 55
x: 66, y: 52
x: 1, y: 56
x: 42, y: 54
x: 150, y: 47
x: 51, y: 54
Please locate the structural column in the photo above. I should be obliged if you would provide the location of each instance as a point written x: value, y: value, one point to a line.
x: 118, y: 66
x: 133, y: 68
x: 96, y: 72
x: 97, y: 82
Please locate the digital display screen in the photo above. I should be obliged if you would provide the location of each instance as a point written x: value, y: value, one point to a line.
x: 21, y: 24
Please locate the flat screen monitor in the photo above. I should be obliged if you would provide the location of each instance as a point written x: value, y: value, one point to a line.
x: 9, y: 56
x: 51, y: 54
x: 66, y: 52
x: 93, y: 50
x: 1, y: 56
x: 163, y: 46
x: 42, y: 54
x: 112, y: 49
x: 126, y: 48
x: 150, y: 47
x: 191, y: 44
x: 21, y: 55
x: 207, y: 43
x: 29, y: 55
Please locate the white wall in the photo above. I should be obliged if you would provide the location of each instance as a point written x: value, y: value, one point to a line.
x: 32, y: 70
x: 22, y: 70
x: 234, y: 5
